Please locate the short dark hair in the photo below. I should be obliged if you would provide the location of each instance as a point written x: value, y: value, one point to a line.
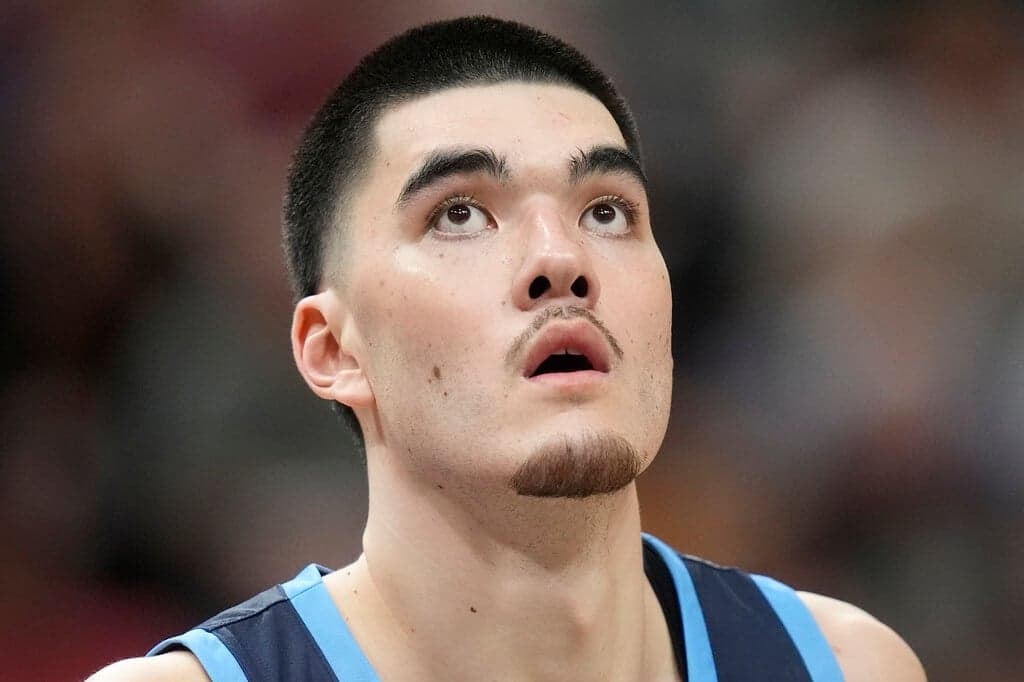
x: 337, y: 144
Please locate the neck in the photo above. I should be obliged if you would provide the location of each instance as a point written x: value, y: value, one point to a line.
x: 528, y: 588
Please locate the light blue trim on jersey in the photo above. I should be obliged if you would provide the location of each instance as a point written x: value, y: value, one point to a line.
x: 700, y: 661
x: 309, y: 596
x: 217, y: 659
x: 802, y: 628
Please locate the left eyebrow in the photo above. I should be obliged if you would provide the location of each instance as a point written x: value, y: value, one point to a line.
x: 605, y: 159
x: 444, y: 163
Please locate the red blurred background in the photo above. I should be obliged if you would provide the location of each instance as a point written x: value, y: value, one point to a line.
x: 837, y: 188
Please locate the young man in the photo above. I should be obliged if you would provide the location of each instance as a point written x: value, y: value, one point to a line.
x: 479, y: 286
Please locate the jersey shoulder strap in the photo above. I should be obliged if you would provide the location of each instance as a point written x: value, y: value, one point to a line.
x: 736, y: 628
x: 739, y: 627
x: 292, y: 631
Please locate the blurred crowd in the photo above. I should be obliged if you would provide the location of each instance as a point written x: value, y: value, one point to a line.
x: 838, y: 189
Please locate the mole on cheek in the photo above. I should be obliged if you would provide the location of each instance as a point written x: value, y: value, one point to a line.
x: 437, y: 372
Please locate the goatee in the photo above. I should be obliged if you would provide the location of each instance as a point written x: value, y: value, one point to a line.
x: 590, y: 464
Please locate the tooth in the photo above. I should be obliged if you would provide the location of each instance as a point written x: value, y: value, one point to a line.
x: 572, y: 351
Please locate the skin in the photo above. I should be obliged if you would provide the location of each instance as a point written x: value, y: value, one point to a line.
x: 414, y: 337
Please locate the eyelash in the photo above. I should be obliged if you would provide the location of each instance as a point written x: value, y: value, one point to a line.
x: 630, y: 208
x: 448, y: 203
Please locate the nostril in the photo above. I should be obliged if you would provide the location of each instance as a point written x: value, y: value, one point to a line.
x: 538, y: 286
x: 579, y: 287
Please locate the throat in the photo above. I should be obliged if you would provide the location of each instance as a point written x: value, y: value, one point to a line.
x: 523, y: 604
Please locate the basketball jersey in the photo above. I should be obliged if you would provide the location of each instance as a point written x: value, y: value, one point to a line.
x: 726, y: 626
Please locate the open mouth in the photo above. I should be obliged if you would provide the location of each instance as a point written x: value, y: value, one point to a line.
x: 568, y: 360
x: 564, y: 349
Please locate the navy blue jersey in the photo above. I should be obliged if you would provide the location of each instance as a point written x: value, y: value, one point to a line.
x: 726, y: 626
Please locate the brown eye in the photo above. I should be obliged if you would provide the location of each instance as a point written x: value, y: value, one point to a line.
x: 606, y: 218
x: 459, y: 214
x: 603, y: 213
x: 462, y: 218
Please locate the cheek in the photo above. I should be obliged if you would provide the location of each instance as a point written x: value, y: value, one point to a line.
x: 424, y: 294
x: 421, y: 315
x: 648, y: 332
x: 641, y: 297
x: 658, y: 322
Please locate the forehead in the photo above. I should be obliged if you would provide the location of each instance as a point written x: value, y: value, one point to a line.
x: 529, y: 123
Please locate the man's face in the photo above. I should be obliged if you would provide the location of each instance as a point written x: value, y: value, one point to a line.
x: 497, y: 227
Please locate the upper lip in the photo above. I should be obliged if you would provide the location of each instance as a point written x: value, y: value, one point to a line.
x: 578, y: 336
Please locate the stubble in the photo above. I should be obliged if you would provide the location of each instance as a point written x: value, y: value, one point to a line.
x: 577, y: 467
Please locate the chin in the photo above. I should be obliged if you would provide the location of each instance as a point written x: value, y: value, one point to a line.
x: 578, y: 465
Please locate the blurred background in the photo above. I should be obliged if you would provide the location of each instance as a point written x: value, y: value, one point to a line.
x: 837, y: 188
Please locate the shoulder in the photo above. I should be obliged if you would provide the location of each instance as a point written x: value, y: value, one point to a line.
x: 175, y: 666
x: 866, y: 648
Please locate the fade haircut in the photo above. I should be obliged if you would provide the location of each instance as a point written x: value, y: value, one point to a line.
x: 337, y: 145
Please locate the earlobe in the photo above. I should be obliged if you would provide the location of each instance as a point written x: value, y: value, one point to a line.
x: 322, y: 343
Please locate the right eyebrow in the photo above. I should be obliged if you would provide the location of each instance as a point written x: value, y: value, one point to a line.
x: 444, y: 163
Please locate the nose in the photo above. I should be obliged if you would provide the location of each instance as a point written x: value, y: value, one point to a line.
x: 556, y: 265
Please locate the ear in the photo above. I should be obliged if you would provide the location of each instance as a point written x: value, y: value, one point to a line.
x: 323, y: 341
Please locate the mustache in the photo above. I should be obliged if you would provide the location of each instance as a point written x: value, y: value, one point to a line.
x: 559, y: 312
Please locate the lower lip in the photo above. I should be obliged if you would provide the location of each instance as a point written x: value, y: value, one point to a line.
x: 569, y: 380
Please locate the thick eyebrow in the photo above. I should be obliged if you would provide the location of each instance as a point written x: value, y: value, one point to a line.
x: 605, y: 159
x: 444, y: 163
